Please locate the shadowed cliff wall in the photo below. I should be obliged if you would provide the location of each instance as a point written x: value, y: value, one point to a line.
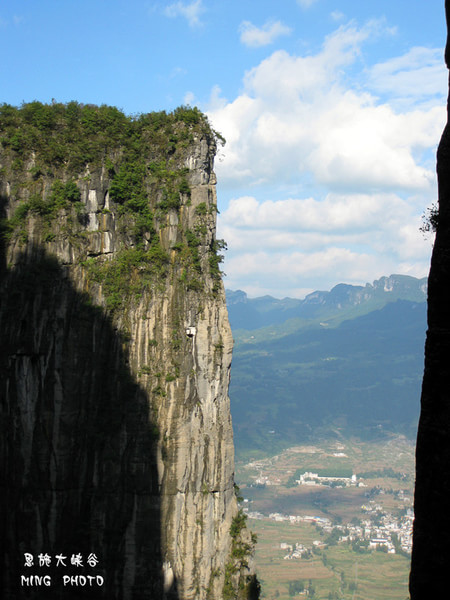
x: 78, y: 445
x: 431, y: 548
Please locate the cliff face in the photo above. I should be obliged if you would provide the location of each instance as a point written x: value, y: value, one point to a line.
x: 431, y: 550
x: 116, y: 431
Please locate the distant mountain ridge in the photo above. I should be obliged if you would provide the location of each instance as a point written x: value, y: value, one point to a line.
x: 344, y: 362
x: 255, y: 313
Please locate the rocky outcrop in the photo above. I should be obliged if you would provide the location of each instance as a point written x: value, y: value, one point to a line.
x: 116, y: 430
x: 431, y: 550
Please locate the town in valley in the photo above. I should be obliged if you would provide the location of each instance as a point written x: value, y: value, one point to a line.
x: 325, y: 512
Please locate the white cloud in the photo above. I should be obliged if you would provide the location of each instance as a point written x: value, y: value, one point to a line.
x: 300, y: 270
x: 189, y: 98
x: 296, y: 273
x: 177, y: 72
x: 191, y: 12
x: 262, y: 36
x: 300, y: 264
x: 349, y: 173
x: 363, y: 146
x: 337, y: 15
x: 336, y: 213
x: 418, y: 74
x: 306, y: 3
x: 216, y: 101
x: 281, y: 246
x: 377, y: 222
x: 297, y: 115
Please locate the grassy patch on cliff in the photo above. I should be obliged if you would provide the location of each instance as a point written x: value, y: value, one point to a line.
x: 51, y: 153
x: 139, y: 156
x: 130, y: 273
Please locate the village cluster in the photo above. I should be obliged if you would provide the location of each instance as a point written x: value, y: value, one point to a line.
x: 378, y: 531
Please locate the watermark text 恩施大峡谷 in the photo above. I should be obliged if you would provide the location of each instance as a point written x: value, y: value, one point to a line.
x: 60, y: 561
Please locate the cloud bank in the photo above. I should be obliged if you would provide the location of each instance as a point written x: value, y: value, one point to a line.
x: 255, y: 37
x: 329, y: 164
x: 190, y: 11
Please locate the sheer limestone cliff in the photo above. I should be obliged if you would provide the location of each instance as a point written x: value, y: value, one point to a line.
x: 431, y: 550
x: 116, y: 431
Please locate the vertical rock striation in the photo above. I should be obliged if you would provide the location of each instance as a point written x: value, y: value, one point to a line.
x: 431, y: 550
x: 116, y: 430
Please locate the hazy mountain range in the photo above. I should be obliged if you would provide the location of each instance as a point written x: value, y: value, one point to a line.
x: 344, y: 362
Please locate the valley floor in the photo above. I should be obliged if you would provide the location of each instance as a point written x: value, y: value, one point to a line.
x: 333, y: 519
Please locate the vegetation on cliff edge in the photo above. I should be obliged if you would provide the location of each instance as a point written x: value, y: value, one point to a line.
x: 50, y: 153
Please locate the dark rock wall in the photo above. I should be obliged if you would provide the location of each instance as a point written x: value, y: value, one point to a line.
x: 431, y: 547
x: 77, y: 443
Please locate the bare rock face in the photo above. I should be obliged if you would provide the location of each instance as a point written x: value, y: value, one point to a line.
x: 116, y: 351
x: 431, y: 550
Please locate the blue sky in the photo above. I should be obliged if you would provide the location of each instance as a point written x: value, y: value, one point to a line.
x: 332, y: 111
